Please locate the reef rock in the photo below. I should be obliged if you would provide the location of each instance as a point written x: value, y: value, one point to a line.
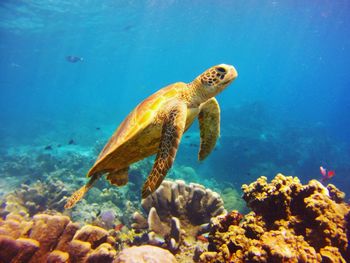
x: 289, y: 222
x: 48, y: 238
x: 145, y: 254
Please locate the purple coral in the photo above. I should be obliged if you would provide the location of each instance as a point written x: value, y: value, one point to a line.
x: 108, y: 217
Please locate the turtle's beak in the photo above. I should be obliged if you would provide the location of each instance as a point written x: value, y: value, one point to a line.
x: 231, y: 72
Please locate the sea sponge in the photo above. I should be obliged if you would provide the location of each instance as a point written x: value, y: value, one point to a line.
x: 289, y: 222
x: 53, y: 238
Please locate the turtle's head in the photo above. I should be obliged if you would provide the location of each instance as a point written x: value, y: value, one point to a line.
x: 214, y: 80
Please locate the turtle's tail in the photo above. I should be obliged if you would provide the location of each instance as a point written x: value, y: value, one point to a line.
x: 79, y: 194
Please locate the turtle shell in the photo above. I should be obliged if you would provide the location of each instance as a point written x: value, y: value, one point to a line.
x: 139, y: 134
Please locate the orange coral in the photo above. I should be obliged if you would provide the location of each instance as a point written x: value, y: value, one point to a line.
x: 53, y: 238
x: 290, y: 222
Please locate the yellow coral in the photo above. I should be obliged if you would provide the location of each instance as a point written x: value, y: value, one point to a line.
x: 290, y: 222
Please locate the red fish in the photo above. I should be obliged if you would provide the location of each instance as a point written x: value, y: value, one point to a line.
x: 118, y: 227
x: 202, y: 238
x: 326, y: 175
x: 330, y: 174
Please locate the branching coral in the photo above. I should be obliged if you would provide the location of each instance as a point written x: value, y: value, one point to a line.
x: 289, y: 222
x: 49, y: 238
x: 192, y: 202
x: 176, y: 214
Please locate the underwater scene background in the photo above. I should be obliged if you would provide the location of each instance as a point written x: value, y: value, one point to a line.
x: 287, y: 112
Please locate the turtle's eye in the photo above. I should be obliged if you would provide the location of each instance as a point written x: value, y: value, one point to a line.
x: 220, y: 69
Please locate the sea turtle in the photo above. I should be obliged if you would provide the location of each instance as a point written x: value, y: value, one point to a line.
x: 156, y: 125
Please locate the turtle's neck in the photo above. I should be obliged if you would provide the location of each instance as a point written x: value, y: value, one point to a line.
x: 196, y: 93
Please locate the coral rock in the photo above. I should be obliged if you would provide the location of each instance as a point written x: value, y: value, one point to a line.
x: 92, y: 234
x: 20, y: 250
x: 57, y: 256
x: 46, y: 229
x: 331, y: 254
x: 145, y: 254
x: 78, y: 250
x: 103, y: 253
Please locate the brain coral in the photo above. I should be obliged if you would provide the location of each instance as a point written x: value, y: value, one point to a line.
x: 289, y: 222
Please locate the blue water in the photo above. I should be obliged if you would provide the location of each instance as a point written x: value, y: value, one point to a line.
x: 288, y: 111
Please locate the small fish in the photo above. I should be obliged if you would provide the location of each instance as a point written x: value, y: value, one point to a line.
x: 330, y: 174
x: 48, y: 148
x: 326, y: 175
x: 71, y: 142
x: 15, y: 65
x: 127, y: 27
x: 202, y: 238
x: 118, y: 227
x: 98, y: 128
x: 74, y: 59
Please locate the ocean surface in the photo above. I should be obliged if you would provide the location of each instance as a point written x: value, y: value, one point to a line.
x: 288, y: 110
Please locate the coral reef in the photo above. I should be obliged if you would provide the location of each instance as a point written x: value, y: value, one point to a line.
x: 289, y: 222
x: 233, y: 199
x: 100, y: 203
x: 35, y: 198
x: 176, y: 215
x: 53, y: 238
x: 145, y: 254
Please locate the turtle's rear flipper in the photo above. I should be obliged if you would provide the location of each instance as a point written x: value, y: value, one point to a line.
x: 173, y: 128
x: 118, y: 177
x: 78, y: 195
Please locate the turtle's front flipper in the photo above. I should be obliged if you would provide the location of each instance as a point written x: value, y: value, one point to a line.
x: 172, y: 130
x: 209, y: 124
x: 78, y: 195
